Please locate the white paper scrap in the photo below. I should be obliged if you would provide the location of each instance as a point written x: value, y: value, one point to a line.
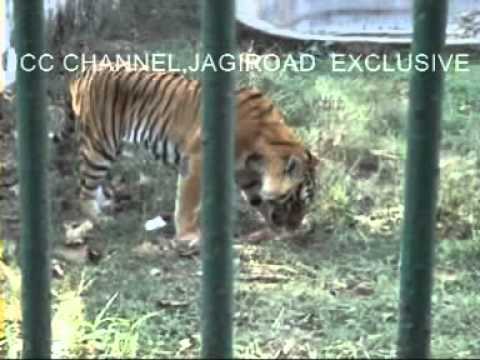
x: 155, y: 223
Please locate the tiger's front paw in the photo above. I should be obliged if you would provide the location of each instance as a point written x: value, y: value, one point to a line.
x: 187, y: 244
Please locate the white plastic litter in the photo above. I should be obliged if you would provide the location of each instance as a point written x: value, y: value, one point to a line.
x: 155, y: 223
x: 155, y: 272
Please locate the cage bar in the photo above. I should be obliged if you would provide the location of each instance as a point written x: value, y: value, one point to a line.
x: 32, y: 164
x: 422, y: 173
x: 217, y: 181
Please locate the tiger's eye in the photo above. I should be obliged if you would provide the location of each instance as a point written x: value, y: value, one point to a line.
x: 256, y: 201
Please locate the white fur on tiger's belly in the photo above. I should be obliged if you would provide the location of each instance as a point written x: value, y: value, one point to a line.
x: 101, y: 200
x: 92, y: 208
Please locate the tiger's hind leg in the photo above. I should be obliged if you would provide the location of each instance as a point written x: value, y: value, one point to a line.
x: 95, y: 163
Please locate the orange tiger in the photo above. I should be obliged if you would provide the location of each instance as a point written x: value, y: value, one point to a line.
x: 161, y: 110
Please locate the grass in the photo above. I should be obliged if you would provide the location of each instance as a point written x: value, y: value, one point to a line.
x: 332, y: 294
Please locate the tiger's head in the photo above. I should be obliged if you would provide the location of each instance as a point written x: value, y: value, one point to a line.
x: 276, y: 159
x: 288, y: 187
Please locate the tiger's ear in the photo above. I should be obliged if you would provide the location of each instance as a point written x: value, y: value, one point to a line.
x: 255, y: 162
x: 312, y: 159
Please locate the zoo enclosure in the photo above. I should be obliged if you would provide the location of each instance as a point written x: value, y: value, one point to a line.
x: 422, y: 173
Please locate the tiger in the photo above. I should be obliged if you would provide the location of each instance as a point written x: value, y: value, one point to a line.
x: 110, y: 106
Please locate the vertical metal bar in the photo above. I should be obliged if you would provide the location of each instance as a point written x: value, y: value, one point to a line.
x: 422, y: 171
x: 218, y: 26
x: 32, y: 160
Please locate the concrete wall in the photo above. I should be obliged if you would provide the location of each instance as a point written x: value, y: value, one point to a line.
x: 322, y: 19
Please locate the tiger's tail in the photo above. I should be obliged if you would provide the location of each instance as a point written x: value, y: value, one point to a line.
x: 68, y: 127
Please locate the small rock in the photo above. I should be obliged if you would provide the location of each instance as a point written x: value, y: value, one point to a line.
x: 75, y: 233
x: 363, y: 289
x: 155, y: 272
x: 146, y: 249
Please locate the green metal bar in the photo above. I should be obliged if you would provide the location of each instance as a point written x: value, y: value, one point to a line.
x: 32, y: 160
x: 422, y: 171
x: 218, y: 26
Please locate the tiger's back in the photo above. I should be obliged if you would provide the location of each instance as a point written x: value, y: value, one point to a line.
x: 137, y: 106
